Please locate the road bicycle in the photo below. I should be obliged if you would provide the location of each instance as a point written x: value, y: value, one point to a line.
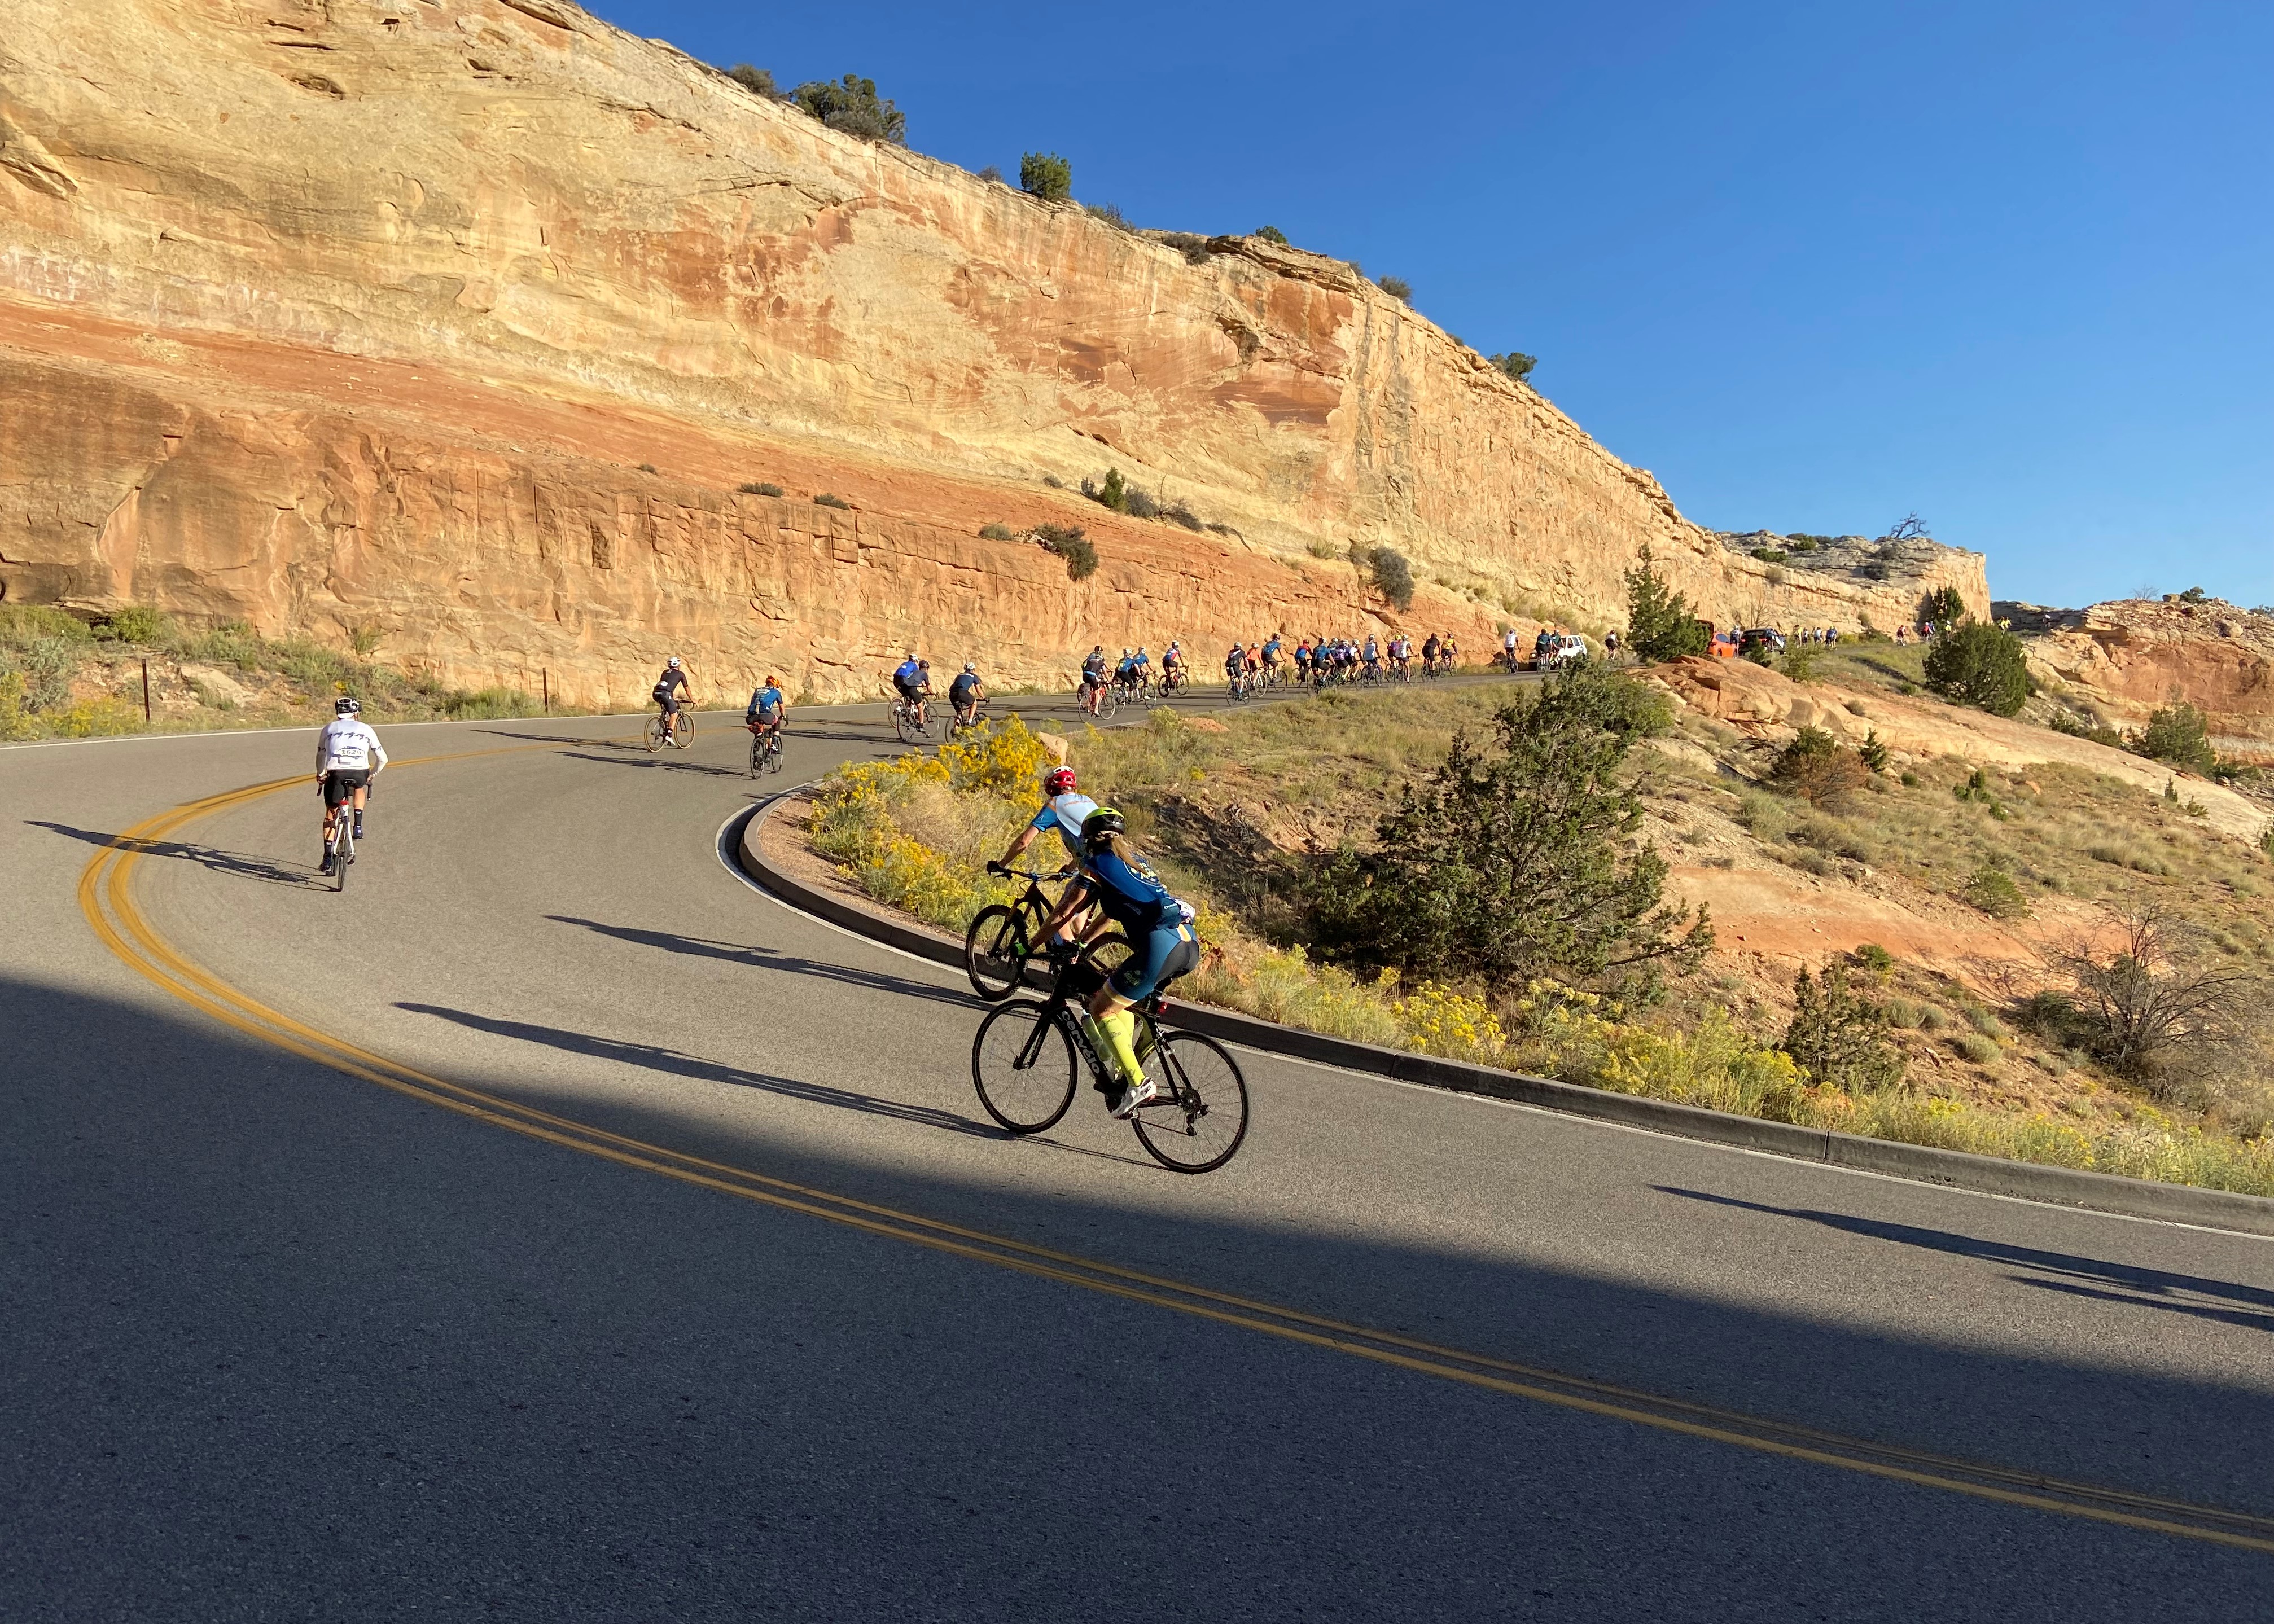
x: 1024, y: 1064
x: 341, y: 844
x: 765, y: 750
x: 1172, y: 677
x: 678, y: 731
x: 1239, y: 684
x: 1004, y: 937
x: 912, y: 721
x: 957, y: 726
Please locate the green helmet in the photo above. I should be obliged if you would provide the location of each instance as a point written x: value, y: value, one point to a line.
x: 1101, y: 826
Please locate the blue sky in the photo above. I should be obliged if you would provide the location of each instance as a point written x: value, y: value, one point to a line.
x: 2009, y: 267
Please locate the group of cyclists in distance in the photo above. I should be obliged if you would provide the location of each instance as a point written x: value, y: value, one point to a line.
x: 1248, y: 668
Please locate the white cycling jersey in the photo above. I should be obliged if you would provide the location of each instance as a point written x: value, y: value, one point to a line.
x: 346, y: 745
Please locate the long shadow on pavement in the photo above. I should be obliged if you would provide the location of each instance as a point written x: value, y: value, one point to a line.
x: 2079, y: 1276
x: 236, y: 863
x: 768, y: 958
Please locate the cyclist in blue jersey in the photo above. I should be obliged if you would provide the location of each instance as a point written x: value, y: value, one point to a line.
x: 1063, y: 811
x: 912, y: 680
x: 965, y: 693
x: 768, y: 711
x: 1126, y: 892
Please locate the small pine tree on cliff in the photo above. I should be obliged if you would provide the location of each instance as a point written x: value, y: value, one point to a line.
x: 1661, y: 625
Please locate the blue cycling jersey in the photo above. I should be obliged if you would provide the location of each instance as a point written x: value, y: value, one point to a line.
x: 1131, y: 894
x: 910, y: 672
x: 765, y: 703
x: 1064, y: 813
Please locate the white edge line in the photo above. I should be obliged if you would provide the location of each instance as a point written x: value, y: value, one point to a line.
x: 1462, y: 1097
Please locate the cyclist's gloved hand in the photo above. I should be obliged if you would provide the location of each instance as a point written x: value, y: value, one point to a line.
x: 996, y: 867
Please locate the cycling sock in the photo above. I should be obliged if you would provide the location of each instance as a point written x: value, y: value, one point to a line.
x: 1120, y: 1029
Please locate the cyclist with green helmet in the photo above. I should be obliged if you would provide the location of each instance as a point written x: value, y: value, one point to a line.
x: 1127, y: 893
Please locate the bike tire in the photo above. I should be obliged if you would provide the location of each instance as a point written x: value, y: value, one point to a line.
x: 1107, y: 704
x: 774, y: 754
x: 343, y: 851
x: 1026, y: 1100
x: 757, y: 757
x: 995, y: 950
x: 652, y: 736
x: 1200, y: 1120
x: 682, y: 737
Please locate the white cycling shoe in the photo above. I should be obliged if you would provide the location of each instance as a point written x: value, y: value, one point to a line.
x: 1143, y: 1093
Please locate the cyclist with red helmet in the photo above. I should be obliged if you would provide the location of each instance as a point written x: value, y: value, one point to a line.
x: 1063, y: 810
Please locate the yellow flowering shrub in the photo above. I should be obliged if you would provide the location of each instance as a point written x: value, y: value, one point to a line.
x: 1438, y: 1020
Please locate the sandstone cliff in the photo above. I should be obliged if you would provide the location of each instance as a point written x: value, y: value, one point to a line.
x: 2127, y: 658
x: 459, y: 322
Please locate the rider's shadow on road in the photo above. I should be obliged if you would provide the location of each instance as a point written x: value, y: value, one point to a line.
x: 664, y: 762
x: 648, y: 1057
x: 233, y: 863
x: 2251, y: 1307
x: 768, y: 958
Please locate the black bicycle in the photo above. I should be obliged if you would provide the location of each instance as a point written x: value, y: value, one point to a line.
x: 1023, y: 1064
x: 957, y: 726
x: 912, y: 720
x: 765, y: 750
x: 342, y: 844
x: 1004, y: 937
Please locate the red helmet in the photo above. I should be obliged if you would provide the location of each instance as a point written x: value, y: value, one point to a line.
x: 1057, y: 780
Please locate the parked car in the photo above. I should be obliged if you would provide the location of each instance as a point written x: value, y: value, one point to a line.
x: 1763, y: 638
x: 1564, y: 651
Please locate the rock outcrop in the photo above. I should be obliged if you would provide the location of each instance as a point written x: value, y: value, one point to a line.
x: 2127, y: 658
x: 459, y: 323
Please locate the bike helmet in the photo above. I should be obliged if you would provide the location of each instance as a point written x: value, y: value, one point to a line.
x: 1100, y: 827
x: 923, y: 664
x: 1058, y: 781
x: 673, y: 662
x: 970, y: 668
x: 347, y: 704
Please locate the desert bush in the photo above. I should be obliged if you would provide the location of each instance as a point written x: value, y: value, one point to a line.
x: 1992, y: 889
x: 1272, y: 234
x: 2177, y: 733
x: 1514, y: 364
x: 1195, y: 249
x: 995, y: 532
x: 1046, y: 176
x: 1872, y: 752
x: 1109, y: 213
x: 1944, y: 606
x: 1139, y: 503
x: 42, y: 667
x: 1397, y: 288
x: 831, y: 500
x: 1974, y: 1047
x: 1799, y: 662
x: 759, y: 487
x: 1393, y: 576
x: 1516, y: 859
x: 20, y: 623
x: 1979, y: 665
x: 136, y: 623
x: 1874, y: 960
x: 1772, y: 555
x: 1068, y: 542
x: 1815, y: 768
x: 1113, y: 492
x: 1660, y: 623
x: 852, y: 105
x: 1176, y: 513
x: 758, y: 81
x: 993, y: 173
x: 1837, y: 1037
x: 1801, y: 543
x: 2155, y: 997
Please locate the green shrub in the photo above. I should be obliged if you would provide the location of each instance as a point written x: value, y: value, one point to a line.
x: 1515, y: 363
x: 1113, y: 494
x: 1516, y: 859
x: 1978, y: 665
x: 1272, y: 234
x: 2177, y: 733
x: 1660, y: 624
x: 1944, y: 606
x: 995, y: 532
x: 829, y: 499
x: 1397, y: 288
x: 1801, y: 544
x: 20, y: 623
x: 1799, y: 662
x: 2194, y: 595
x: 1872, y: 752
x: 1877, y: 961
x: 1046, y: 176
x: 759, y: 487
x: 136, y: 623
x: 1974, y: 1047
x: 1992, y: 889
x: 1815, y: 768
x: 1068, y: 543
x: 43, y: 667
x: 852, y: 105
x: 1772, y: 555
x: 758, y: 81
x: 1839, y: 1038
x: 1393, y: 576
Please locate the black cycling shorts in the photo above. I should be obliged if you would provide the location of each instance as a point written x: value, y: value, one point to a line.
x: 340, y: 783
x: 670, y: 703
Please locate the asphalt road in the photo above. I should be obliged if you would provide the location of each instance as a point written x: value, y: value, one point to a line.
x: 279, y: 1343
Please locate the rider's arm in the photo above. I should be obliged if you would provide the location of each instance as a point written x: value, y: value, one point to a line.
x: 323, y: 748
x: 377, y: 754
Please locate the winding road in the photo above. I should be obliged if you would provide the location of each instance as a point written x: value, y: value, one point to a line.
x: 552, y: 1227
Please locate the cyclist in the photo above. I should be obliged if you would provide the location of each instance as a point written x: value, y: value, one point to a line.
x: 348, y: 757
x: 670, y: 692
x: 1063, y: 810
x: 965, y: 693
x: 1373, y: 658
x: 1144, y: 669
x: 769, y: 711
x: 1093, y: 677
x: 912, y: 680
x: 1429, y: 650
x: 1172, y: 667
x: 1303, y: 661
x: 1126, y: 892
x: 1271, y: 658
x: 1235, y: 669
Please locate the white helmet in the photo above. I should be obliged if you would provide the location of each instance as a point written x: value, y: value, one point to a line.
x: 673, y: 662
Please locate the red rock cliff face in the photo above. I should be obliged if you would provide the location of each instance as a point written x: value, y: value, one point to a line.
x: 334, y: 313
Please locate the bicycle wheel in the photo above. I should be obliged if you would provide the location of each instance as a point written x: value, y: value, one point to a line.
x: 774, y: 754
x: 1023, y: 1067
x: 343, y: 849
x: 1201, y: 1118
x: 1107, y: 704
x: 683, y: 735
x: 757, y: 754
x: 995, y: 951
x: 653, y: 736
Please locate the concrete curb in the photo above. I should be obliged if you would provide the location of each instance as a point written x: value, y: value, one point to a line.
x: 2102, y: 1193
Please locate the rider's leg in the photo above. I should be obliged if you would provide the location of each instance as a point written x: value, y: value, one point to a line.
x: 363, y: 793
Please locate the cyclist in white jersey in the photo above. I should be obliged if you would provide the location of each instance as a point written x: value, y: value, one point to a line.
x: 348, y: 757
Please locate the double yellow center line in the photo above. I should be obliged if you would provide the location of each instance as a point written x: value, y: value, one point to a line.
x: 105, y: 896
